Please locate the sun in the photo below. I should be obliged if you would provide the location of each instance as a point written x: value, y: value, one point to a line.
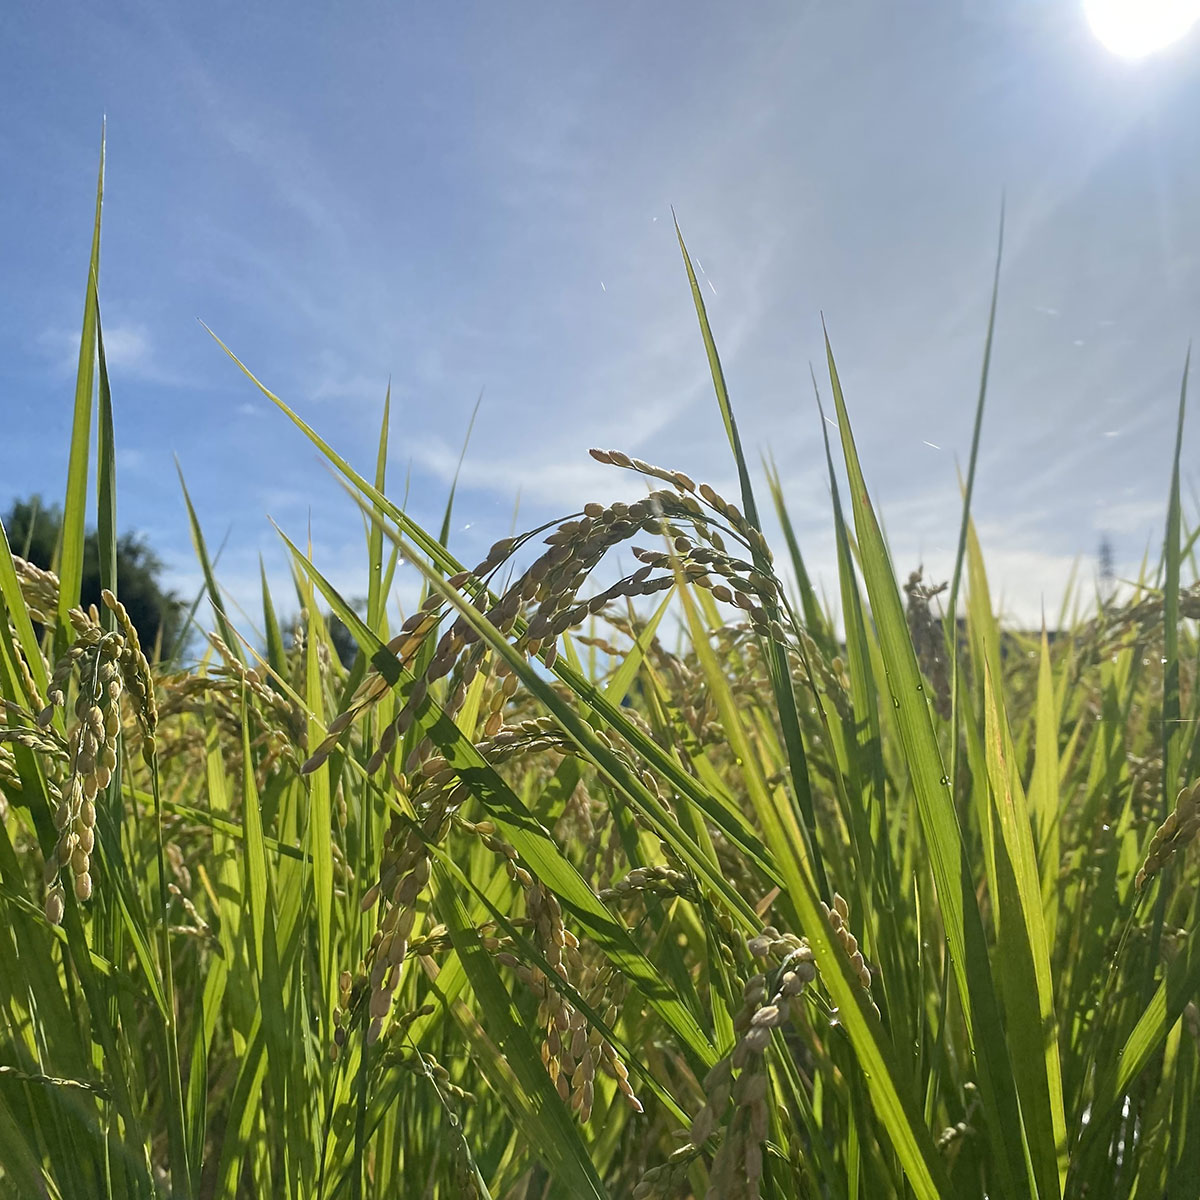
x: 1135, y: 28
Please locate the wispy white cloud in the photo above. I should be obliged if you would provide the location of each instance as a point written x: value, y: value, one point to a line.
x: 1133, y: 515
x: 351, y: 385
x: 129, y: 353
x: 556, y: 482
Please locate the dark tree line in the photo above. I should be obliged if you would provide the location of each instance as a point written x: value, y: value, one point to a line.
x: 33, y: 530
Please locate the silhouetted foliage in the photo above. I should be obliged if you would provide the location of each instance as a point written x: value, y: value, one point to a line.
x: 342, y: 640
x: 33, y: 532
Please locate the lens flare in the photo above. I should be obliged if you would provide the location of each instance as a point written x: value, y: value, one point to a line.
x: 1136, y: 28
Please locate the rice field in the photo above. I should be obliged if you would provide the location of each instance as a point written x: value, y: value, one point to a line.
x: 578, y: 884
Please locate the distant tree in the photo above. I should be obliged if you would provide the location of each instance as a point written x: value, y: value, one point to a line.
x: 342, y: 640
x: 344, y: 645
x: 33, y: 531
x: 1108, y: 575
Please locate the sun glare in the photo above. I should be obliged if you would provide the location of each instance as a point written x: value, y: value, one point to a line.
x: 1135, y: 28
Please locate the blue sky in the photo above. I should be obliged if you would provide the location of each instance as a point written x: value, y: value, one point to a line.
x: 467, y: 197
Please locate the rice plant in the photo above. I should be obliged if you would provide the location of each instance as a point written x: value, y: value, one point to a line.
x: 581, y: 883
